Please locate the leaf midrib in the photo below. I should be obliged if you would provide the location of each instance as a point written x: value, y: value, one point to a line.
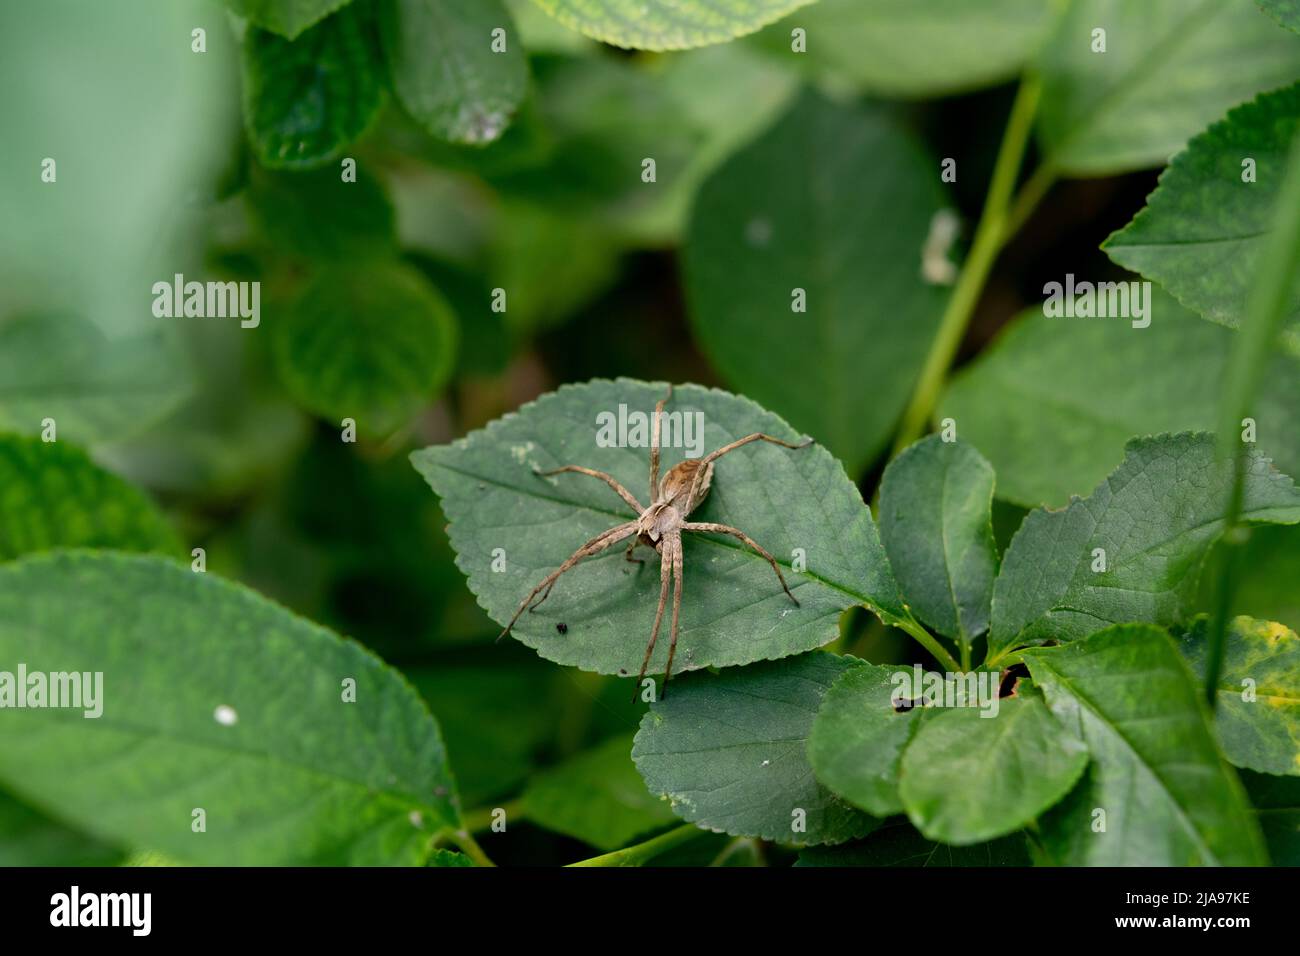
x: 1092, y: 707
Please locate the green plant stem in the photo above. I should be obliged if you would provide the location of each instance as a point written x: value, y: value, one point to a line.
x: 469, y: 846
x: 1027, y: 200
x: 931, y: 644
x: 1268, y: 306
x: 990, y: 235
x: 641, y: 853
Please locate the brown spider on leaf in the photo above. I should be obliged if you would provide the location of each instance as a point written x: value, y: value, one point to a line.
x: 660, y: 526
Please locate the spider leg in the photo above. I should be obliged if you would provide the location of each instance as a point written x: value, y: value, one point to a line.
x: 732, y: 446
x: 594, y: 546
x: 677, y: 606
x: 665, y: 575
x: 654, y: 445
x: 607, y: 479
x: 631, y: 547
x: 746, y: 540
x: 757, y: 436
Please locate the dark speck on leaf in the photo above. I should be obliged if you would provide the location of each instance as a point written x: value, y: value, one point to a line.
x: 562, y: 628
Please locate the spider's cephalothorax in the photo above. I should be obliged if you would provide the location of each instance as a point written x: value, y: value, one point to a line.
x: 660, y: 526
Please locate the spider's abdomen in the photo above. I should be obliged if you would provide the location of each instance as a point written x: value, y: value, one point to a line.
x: 675, y: 489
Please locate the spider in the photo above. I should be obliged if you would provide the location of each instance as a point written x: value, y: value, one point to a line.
x: 659, y: 526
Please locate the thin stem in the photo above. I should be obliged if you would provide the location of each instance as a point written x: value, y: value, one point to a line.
x: 1266, y: 312
x: 931, y: 644
x: 470, y: 847
x: 989, y: 237
x: 641, y: 853
x: 1027, y: 200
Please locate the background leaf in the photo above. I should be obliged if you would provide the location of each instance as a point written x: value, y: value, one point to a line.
x: 786, y: 213
x: 1170, y: 68
x: 913, y: 48
x: 1270, y: 564
x: 492, y: 744
x: 1052, y: 405
x: 1277, y: 807
x: 1262, y: 733
x: 858, y: 737
x: 28, y: 838
x: 370, y: 342
x: 1168, y: 797
x: 1156, y: 517
x: 318, y: 216
x: 96, y: 387
x: 285, y: 17
x: 444, y: 70
x: 728, y: 750
x: 305, y: 100
x: 1203, y: 232
x: 1285, y: 12
x: 53, y: 496
x: 299, y: 777
x: 936, y: 523
x: 967, y: 777
x: 897, y: 843
x: 597, y: 797
x: 667, y: 24
x: 733, y: 610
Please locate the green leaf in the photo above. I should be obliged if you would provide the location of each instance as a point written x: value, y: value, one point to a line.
x: 444, y: 70
x: 139, y: 146
x: 1277, y: 807
x: 858, y: 737
x: 1285, y: 12
x: 1203, y: 232
x: 494, y: 719
x: 1155, y: 518
x: 1170, y: 68
x: 787, y: 213
x: 28, y: 838
x: 305, y: 100
x: 597, y: 797
x: 936, y: 522
x: 967, y: 777
x: 1052, y: 402
x: 898, y: 844
x: 913, y: 48
x: 1167, y: 796
x: 214, y: 698
x: 372, y: 342
x: 1257, y: 716
x: 733, y: 610
x: 285, y: 17
x: 53, y: 496
x: 728, y: 750
x: 442, y: 857
x: 667, y: 24
x: 95, y: 387
x: 550, y: 264
x: 318, y: 216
